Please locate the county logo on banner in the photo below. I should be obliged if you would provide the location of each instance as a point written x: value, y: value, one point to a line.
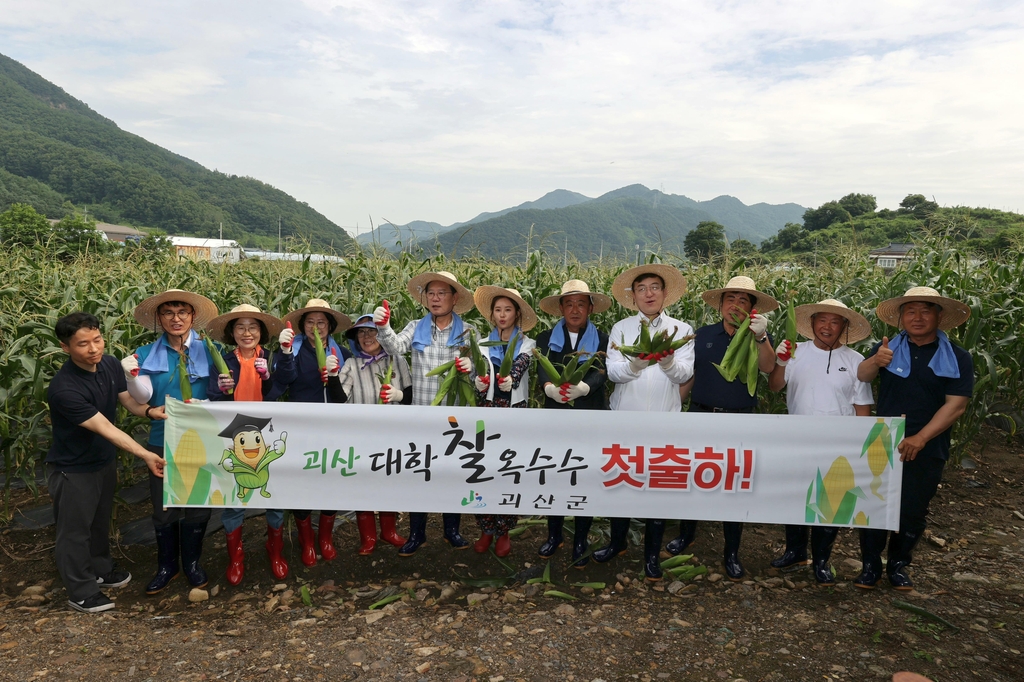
x: 728, y: 467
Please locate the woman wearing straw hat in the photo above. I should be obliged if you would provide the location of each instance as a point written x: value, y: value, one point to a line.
x: 249, y: 330
x: 822, y: 379
x: 299, y: 373
x: 574, y: 333
x: 154, y: 372
x: 433, y: 340
x: 510, y: 316
x: 362, y: 381
x: 930, y: 380
x: 641, y: 385
x: 710, y: 392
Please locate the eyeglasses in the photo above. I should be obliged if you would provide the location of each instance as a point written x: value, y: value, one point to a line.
x: 366, y: 332
x: 439, y: 294
x: 643, y: 289
x: 180, y: 314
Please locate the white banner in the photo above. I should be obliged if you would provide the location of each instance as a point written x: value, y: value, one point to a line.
x: 723, y: 467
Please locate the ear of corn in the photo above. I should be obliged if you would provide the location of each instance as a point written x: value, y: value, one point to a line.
x: 879, y: 452
x: 183, y: 380
x: 510, y: 356
x: 791, y: 334
x: 218, y: 360
x: 189, y: 459
x: 321, y: 354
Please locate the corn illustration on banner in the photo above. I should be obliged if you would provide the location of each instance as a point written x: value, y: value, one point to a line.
x: 723, y: 467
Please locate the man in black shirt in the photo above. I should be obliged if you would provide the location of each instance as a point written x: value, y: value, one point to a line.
x: 930, y: 381
x: 573, y: 333
x: 81, y: 462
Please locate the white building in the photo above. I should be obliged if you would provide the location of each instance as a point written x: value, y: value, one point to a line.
x: 213, y: 250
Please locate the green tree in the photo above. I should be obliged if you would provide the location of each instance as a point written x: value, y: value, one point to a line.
x: 742, y: 247
x: 705, y: 241
x: 75, y: 234
x: 859, y: 204
x: 823, y: 216
x: 21, y: 225
x: 918, y: 206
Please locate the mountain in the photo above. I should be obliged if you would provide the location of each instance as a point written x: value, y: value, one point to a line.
x: 615, y: 223
x: 54, y: 149
x: 425, y: 232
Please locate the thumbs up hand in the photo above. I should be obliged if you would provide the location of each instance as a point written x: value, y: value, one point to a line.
x: 883, y: 356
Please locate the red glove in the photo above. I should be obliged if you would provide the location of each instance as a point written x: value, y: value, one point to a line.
x: 382, y: 314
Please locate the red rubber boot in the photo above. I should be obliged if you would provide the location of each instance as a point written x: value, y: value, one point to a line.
x: 367, y: 532
x: 483, y: 544
x: 305, y: 527
x: 236, y: 564
x: 275, y: 543
x: 503, y: 547
x: 387, y: 529
x: 326, y: 537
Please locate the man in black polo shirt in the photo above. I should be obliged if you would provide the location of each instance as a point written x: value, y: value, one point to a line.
x: 930, y: 380
x: 573, y: 333
x: 710, y: 392
x: 81, y: 463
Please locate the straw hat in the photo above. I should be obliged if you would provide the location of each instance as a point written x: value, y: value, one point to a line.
x: 675, y: 283
x: 418, y: 289
x: 485, y: 295
x: 549, y: 304
x: 217, y: 327
x: 146, y: 312
x: 954, y: 313
x: 745, y: 285
x: 858, y: 329
x: 318, y: 305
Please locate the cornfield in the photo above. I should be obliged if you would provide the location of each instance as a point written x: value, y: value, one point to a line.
x: 39, y: 289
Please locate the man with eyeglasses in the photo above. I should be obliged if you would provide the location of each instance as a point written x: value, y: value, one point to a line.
x: 433, y: 340
x: 153, y: 372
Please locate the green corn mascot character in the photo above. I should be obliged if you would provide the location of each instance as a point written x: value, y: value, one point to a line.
x: 248, y: 459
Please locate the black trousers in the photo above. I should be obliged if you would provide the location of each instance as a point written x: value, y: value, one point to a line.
x: 165, y: 517
x: 921, y: 478
x: 82, y: 503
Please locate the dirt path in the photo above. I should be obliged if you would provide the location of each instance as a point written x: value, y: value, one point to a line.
x: 772, y: 627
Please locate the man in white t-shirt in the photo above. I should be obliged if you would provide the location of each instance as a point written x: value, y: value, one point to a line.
x: 822, y: 378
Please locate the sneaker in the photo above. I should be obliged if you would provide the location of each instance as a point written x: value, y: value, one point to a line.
x: 118, y: 577
x: 94, y: 604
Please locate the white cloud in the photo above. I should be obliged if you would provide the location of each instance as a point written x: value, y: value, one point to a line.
x: 439, y: 110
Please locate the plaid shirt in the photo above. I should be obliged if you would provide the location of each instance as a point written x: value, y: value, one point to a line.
x: 424, y: 388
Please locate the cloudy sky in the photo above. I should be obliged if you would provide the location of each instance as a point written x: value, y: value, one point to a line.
x: 440, y: 110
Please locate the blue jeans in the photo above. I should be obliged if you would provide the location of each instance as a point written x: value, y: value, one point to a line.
x: 233, y: 518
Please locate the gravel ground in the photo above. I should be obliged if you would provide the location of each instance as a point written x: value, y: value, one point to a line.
x: 774, y: 626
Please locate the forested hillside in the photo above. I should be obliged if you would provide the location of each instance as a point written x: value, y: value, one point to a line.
x: 54, y: 149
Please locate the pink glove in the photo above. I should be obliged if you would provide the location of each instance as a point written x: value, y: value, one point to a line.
x: 225, y: 383
x: 262, y: 369
x: 784, y: 353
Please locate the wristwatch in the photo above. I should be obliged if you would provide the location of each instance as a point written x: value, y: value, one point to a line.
x: 762, y: 339
x: 151, y: 407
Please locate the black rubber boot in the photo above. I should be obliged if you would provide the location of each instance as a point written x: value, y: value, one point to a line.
x: 654, y: 531
x: 451, y: 531
x: 192, y: 535
x: 733, y: 532
x: 618, y: 544
x: 580, y: 543
x: 796, y: 548
x: 822, y: 538
x: 872, y: 542
x: 417, y: 534
x: 900, y: 547
x: 687, y: 532
x: 555, y: 540
x: 166, y: 558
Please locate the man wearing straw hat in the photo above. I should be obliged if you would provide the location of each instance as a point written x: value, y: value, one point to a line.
x: 153, y: 372
x: 822, y: 379
x: 573, y: 333
x: 930, y: 380
x: 433, y: 340
x: 646, y: 384
x: 710, y: 392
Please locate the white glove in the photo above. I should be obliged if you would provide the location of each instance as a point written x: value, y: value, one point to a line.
x: 262, y: 368
x: 285, y: 339
x: 332, y: 366
x: 463, y: 365
x: 505, y: 384
x: 392, y: 394
x: 130, y: 365
x: 636, y: 365
x: 225, y: 383
x: 758, y: 325
x: 666, y: 362
x: 555, y: 393
x: 381, y: 315
x: 481, y: 384
x: 578, y: 391
x: 279, y: 444
x: 784, y: 353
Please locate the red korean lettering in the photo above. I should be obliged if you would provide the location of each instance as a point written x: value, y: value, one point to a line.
x: 669, y: 468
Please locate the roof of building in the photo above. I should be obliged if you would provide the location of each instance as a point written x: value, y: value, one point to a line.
x: 893, y: 249
x: 203, y: 242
